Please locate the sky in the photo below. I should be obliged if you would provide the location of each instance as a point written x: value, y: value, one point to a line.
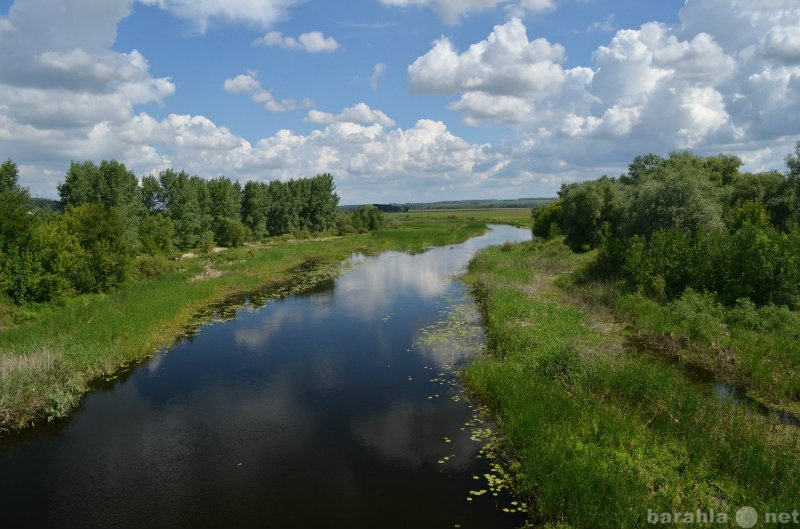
x: 400, y: 100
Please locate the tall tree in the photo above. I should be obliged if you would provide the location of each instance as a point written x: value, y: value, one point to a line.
x: 283, y: 216
x: 224, y: 202
x: 17, y: 255
x: 255, y: 208
x: 181, y: 199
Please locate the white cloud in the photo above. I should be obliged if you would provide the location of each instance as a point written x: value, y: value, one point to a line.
x: 256, y: 13
x: 480, y: 106
x: 506, y: 63
x: 313, y: 42
x: 248, y: 83
x: 378, y: 71
x: 359, y: 113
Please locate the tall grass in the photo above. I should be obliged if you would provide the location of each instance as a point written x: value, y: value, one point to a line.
x: 47, y: 364
x: 604, y: 434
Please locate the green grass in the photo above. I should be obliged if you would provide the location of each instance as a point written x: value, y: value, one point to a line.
x: 601, y: 434
x: 756, y: 348
x: 49, y: 359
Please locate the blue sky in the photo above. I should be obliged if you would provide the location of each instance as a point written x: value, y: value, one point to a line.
x: 401, y: 100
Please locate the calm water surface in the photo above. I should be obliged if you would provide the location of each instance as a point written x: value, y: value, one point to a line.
x: 332, y: 408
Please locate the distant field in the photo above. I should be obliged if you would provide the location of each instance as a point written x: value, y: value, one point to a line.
x: 455, y: 205
x: 516, y: 216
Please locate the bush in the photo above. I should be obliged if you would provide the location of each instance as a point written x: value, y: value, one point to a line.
x: 547, y: 220
x: 207, y: 242
x: 367, y: 217
x: 151, y: 266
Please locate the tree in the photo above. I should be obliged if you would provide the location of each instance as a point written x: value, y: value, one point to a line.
x: 547, y: 219
x: 677, y: 193
x: 181, y: 199
x: 367, y: 217
x: 793, y: 180
x: 15, y: 215
x: 152, y: 195
x: 111, y: 184
x: 156, y: 235
x: 17, y: 255
x: 588, y: 209
x: 324, y: 207
x: 283, y: 216
x: 224, y: 202
x: 255, y: 208
x: 101, y: 261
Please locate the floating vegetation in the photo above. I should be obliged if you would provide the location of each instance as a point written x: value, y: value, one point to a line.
x: 448, y: 343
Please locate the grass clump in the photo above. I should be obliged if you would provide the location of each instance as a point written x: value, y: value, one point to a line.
x: 602, y: 432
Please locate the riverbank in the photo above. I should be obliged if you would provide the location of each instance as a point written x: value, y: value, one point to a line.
x: 604, y: 435
x: 50, y: 362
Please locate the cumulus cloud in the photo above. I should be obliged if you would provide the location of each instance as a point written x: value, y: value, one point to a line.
x: 359, y: 113
x: 58, y: 74
x: 707, y: 85
x: 248, y: 83
x: 312, y: 42
x: 506, y: 63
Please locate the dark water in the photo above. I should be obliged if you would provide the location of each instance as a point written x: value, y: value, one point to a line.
x: 331, y: 408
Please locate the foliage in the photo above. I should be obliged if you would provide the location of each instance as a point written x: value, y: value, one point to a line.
x: 156, y: 235
x: 224, y: 203
x: 690, y: 222
x: 587, y: 209
x: 110, y: 184
x: 367, y: 218
x: 547, y: 219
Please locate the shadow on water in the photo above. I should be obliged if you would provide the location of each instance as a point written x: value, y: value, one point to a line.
x: 332, y: 402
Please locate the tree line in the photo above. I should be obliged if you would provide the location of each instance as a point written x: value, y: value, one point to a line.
x: 108, y: 218
x: 688, y: 222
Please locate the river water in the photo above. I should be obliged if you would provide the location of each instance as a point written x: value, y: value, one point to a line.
x: 334, y: 407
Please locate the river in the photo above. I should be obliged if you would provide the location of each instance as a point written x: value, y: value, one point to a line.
x: 334, y: 407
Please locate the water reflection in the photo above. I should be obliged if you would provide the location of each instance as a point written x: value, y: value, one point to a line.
x: 327, y: 409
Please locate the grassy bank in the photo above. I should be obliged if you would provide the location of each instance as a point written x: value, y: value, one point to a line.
x: 48, y: 363
x: 604, y: 435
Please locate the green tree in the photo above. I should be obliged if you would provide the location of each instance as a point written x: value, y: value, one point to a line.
x: 793, y: 182
x: 588, y: 209
x: 547, y: 219
x: 224, y: 203
x: 104, y: 253
x: 324, y: 207
x: 183, y: 198
x: 255, y: 208
x: 283, y: 215
x: 18, y: 267
x: 678, y: 193
x: 16, y: 219
x: 153, y: 197
x: 156, y: 235
x: 367, y: 217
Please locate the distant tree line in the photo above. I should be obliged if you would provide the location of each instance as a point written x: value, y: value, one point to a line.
x: 688, y: 222
x: 107, y: 218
